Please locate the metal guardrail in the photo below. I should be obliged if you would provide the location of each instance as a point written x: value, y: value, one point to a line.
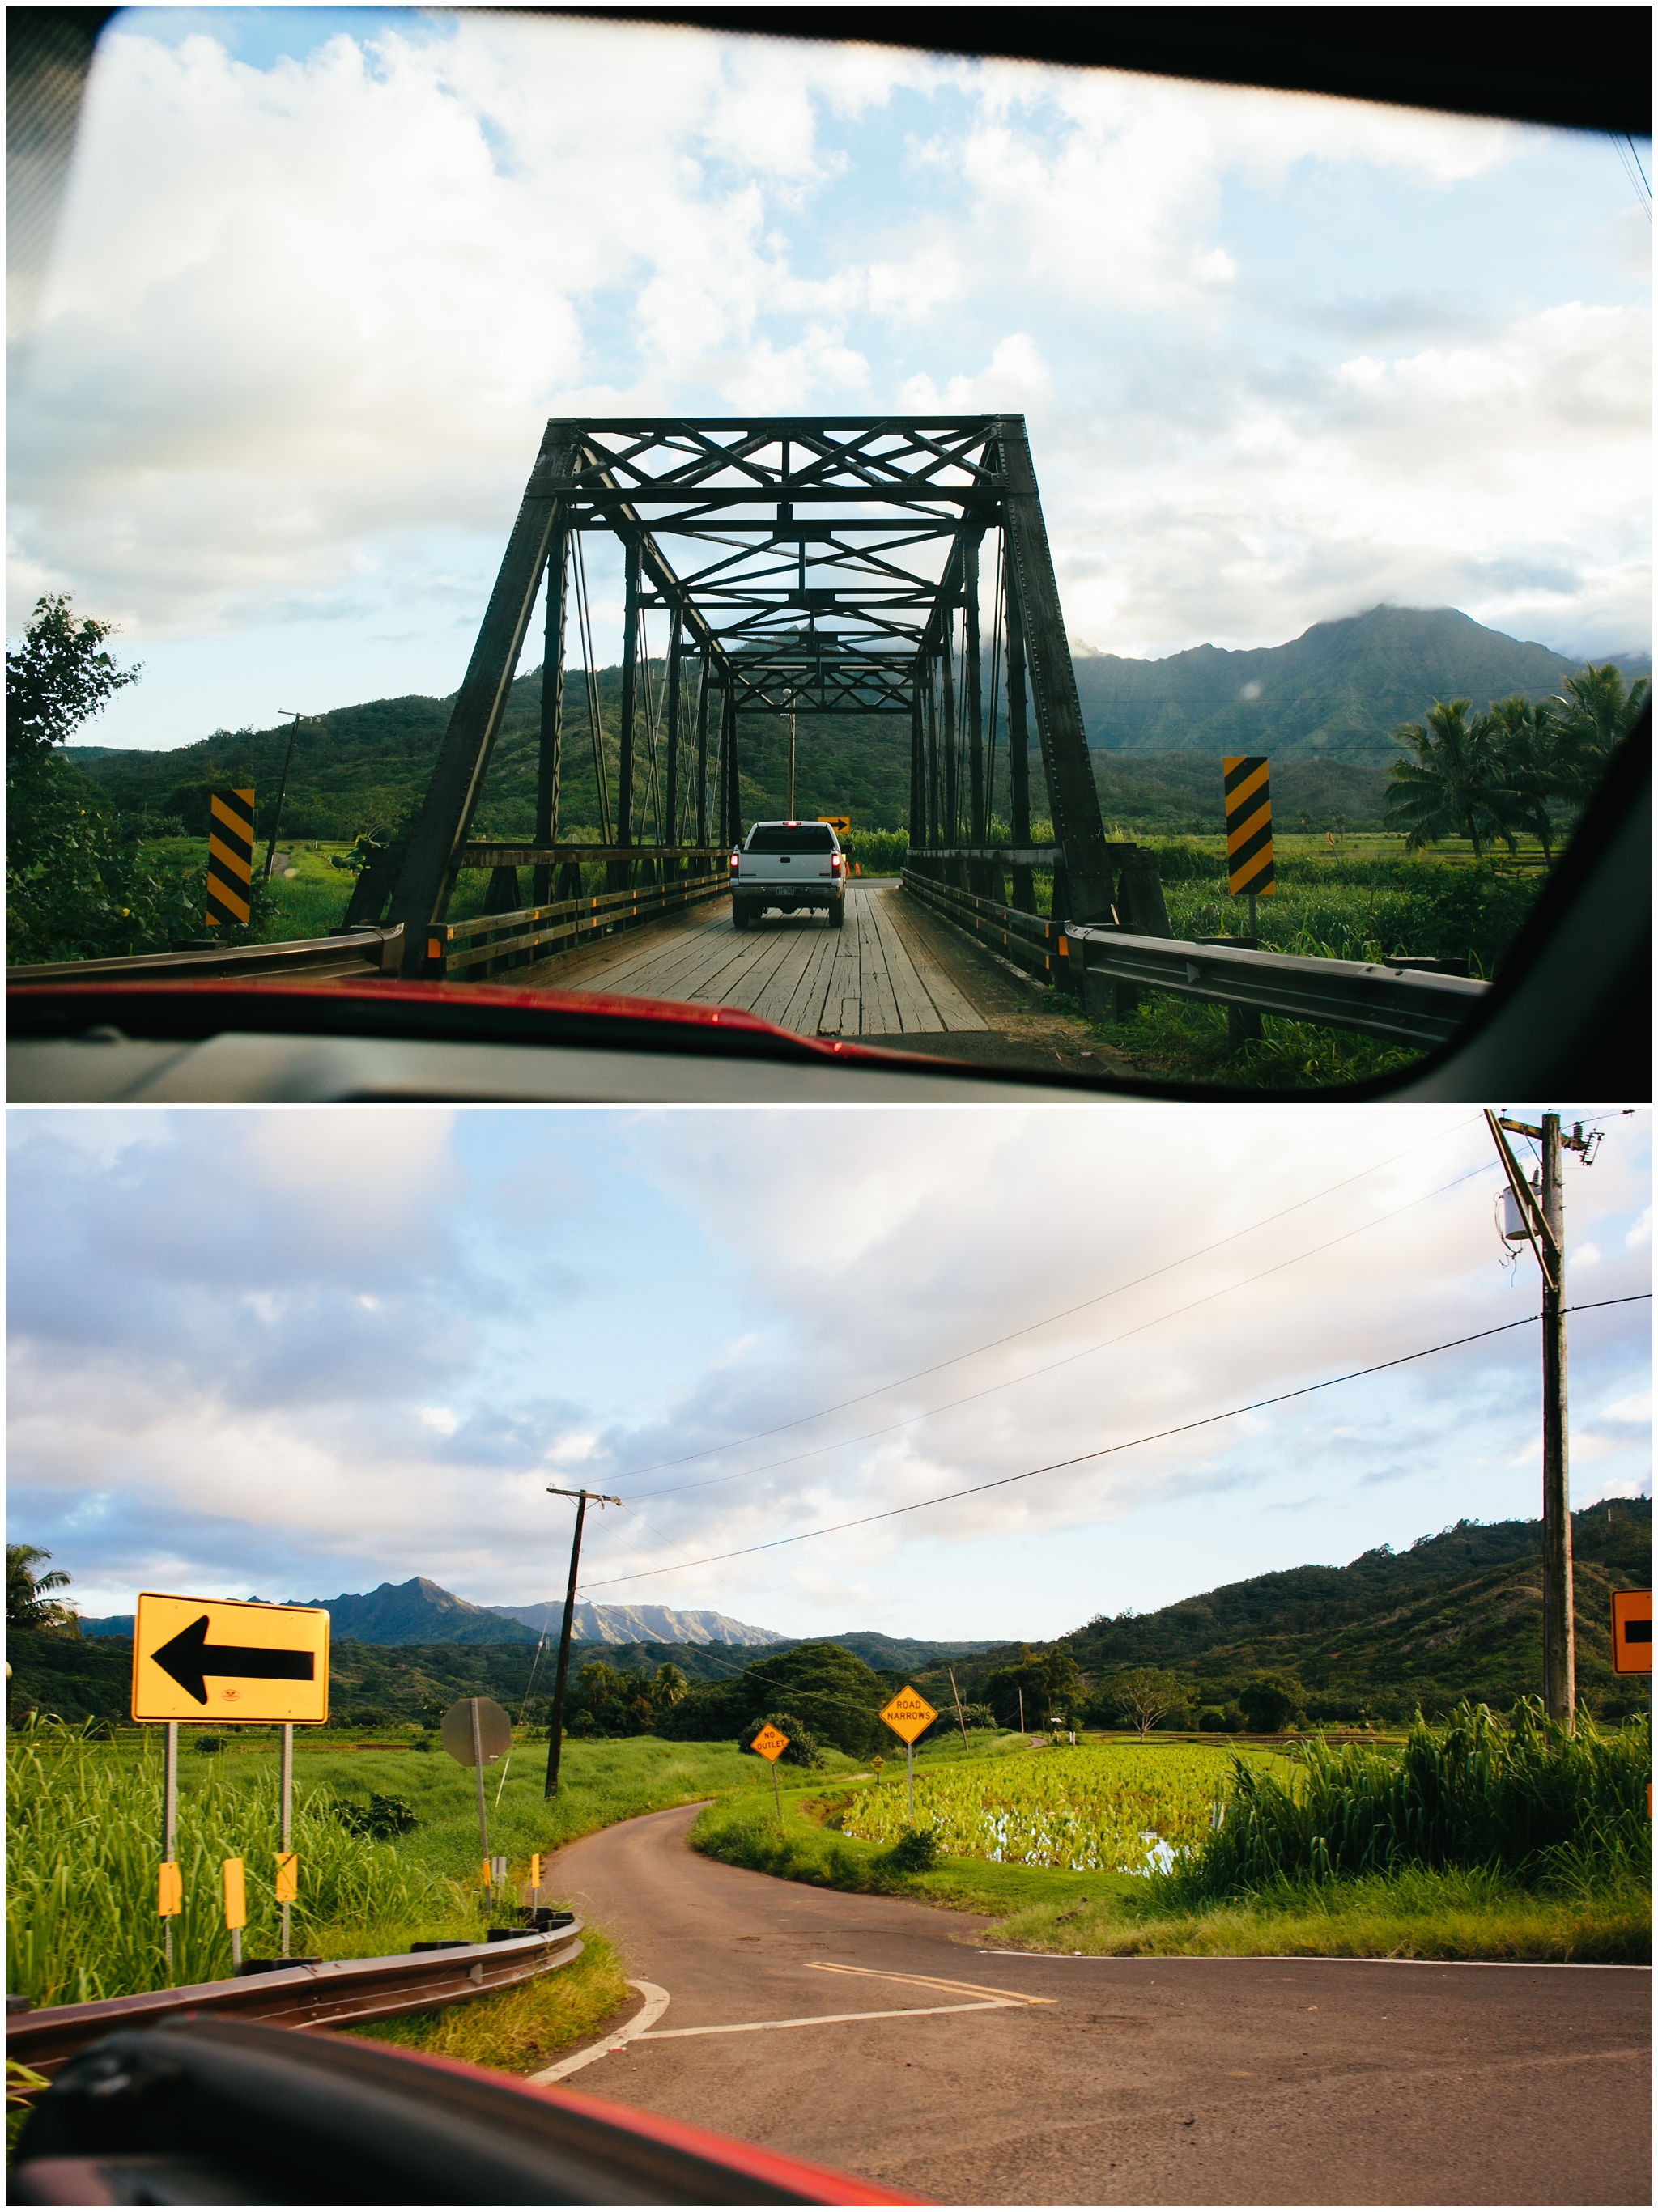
x: 361, y: 953
x: 333, y: 1994
x: 456, y: 947
x: 1029, y: 940
x: 1402, y: 1004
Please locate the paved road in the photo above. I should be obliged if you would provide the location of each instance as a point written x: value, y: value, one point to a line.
x: 1160, y: 2080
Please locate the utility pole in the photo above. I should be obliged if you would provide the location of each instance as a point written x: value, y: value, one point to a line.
x: 1541, y: 1215
x: 556, y: 1734
x: 282, y: 790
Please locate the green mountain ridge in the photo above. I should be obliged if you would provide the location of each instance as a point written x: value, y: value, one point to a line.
x: 1458, y: 1614
x: 1331, y: 697
x: 1340, y: 689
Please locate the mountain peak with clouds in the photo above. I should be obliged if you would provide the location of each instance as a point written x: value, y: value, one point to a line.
x: 1340, y: 689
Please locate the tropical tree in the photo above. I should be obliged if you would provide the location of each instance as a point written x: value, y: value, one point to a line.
x: 1144, y: 1696
x: 26, y: 1604
x: 74, y: 888
x: 1524, y: 741
x: 1271, y: 1699
x: 1597, y: 712
x: 60, y: 678
x: 668, y: 1685
x: 1451, y: 786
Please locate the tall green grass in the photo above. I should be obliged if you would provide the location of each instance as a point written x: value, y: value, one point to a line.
x: 85, y: 1845
x: 1529, y: 1799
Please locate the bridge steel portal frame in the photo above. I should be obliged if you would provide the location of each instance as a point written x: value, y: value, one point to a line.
x: 834, y: 567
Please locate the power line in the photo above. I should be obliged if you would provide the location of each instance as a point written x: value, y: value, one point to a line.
x: 1031, y: 1373
x: 800, y: 1420
x: 1107, y: 1451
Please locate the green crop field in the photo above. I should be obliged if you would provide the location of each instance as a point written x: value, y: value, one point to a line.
x: 1100, y: 1810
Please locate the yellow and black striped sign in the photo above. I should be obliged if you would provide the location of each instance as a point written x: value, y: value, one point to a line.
x: 230, y: 859
x: 1248, y: 822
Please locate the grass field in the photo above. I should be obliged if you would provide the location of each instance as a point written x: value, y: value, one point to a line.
x: 85, y: 1841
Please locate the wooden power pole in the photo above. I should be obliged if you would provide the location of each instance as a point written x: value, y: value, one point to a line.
x: 556, y: 1732
x: 1542, y: 1220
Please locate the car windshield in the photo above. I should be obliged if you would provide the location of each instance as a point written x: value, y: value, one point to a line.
x: 1201, y: 592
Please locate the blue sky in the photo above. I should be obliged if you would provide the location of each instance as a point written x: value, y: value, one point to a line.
x: 298, y: 1352
x: 322, y: 273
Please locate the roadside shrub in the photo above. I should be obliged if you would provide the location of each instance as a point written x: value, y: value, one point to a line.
x: 381, y: 1817
x: 916, y: 1851
x: 1212, y: 1721
x: 207, y: 1745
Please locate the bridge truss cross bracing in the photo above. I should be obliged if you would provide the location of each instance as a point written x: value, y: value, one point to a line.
x: 820, y: 567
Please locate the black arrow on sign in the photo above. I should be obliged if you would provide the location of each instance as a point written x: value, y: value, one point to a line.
x: 189, y: 1659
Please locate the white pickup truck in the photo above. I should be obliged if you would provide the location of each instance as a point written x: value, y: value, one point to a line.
x: 787, y: 864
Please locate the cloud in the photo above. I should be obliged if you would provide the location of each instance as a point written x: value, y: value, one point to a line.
x: 304, y: 398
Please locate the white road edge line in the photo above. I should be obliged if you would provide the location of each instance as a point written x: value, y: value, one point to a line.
x: 655, y: 2004
x: 1323, y: 1959
x: 828, y: 2018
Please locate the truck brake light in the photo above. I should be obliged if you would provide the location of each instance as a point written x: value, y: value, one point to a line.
x: 837, y: 862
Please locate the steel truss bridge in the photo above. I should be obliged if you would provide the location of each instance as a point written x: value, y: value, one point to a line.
x: 823, y: 566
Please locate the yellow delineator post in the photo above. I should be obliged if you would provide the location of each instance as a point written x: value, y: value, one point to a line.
x: 170, y: 1899
x: 909, y: 1715
x: 287, y: 1877
x: 771, y: 1743
x: 235, y: 1905
x: 230, y: 859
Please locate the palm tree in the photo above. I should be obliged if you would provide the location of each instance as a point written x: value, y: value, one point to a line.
x: 1452, y: 787
x: 1526, y: 738
x: 1598, y: 714
x: 27, y: 1605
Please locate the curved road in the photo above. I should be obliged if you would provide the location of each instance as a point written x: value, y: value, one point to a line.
x: 1106, y: 2080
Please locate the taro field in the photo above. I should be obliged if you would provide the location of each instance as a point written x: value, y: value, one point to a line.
x: 1116, y: 1808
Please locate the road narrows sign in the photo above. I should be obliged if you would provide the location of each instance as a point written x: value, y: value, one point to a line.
x: 201, y: 1658
x: 1631, y: 1632
x: 908, y: 1716
x: 771, y: 1743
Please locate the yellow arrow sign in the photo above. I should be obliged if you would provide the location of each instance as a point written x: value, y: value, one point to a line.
x: 217, y: 1659
x: 771, y: 1743
x: 908, y: 1716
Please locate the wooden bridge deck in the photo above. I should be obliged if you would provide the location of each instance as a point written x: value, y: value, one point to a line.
x: 875, y: 977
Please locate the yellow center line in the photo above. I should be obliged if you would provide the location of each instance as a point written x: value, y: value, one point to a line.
x: 825, y: 2020
x: 929, y: 1982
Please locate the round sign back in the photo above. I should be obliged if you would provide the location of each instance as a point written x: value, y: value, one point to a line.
x: 494, y: 1730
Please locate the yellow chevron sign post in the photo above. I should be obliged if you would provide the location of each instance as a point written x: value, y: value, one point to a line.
x: 230, y: 859
x: 1248, y: 828
x: 908, y: 1716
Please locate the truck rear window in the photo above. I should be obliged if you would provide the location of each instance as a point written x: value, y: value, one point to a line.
x: 790, y: 837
